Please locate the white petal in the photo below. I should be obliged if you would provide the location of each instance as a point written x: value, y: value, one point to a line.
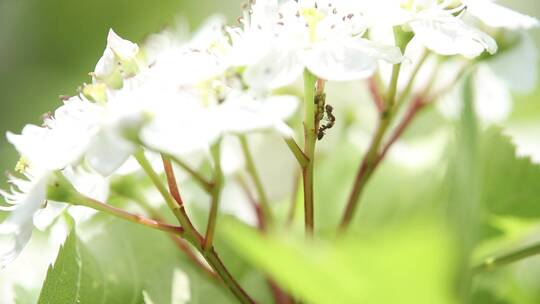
x: 280, y: 107
x: 348, y: 61
x: 210, y: 32
x: 12, y: 243
x: 44, y: 217
x: 106, y: 65
x: 495, y: 15
x: 242, y: 112
x: 123, y: 48
x: 448, y: 35
x: 15, y: 231
x: 87, y: 182
x: 64, y: 138
x: 180, y: 129
x: 278, y: 68
x: 108, y: 152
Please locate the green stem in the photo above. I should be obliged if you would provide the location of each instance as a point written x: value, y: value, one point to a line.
x: 252, y: 170
x: 408, y: 89
x: 511, y: 257
x: 177, y: 240
x: 368, y: 164
x: 310, y: 138
x: 138, y: 219
x: 216, y: 196
x: 363, y: 174
x: 296, y: 151
x: 215, y: 262
x: 201, y: 180
x: 192, y: 235
x: 391, y: 99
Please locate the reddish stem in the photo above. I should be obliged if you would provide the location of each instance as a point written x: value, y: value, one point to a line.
x: 175, y: 192
x: 377, y: 98
x: 417, y: 104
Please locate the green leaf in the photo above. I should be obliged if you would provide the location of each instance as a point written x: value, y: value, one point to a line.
x: 408, y: 265
x: 136, y: 259
x: 510, y: 183
x: 74, y: 277
x: 464, y: 184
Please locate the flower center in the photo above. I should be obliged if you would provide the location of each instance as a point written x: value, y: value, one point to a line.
x: 312, y: 16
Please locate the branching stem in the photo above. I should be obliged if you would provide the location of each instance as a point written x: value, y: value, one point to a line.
x: 313, y: 88
x: 134, y: 218
x: 191, y: 234
x: 216, y: 196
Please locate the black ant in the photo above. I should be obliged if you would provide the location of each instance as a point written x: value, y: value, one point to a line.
x: 331, y: 120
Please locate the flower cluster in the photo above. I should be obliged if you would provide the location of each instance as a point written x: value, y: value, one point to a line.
x: 179, y: 95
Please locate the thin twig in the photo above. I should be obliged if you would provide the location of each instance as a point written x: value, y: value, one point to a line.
x: 417, y: 104
x: 301, y: 158
x: 294, y: 199
x: 134, y: 218
x: 255, y: 177
x: 192, y: 235
x: 505, y: 259
x: 201, y: 180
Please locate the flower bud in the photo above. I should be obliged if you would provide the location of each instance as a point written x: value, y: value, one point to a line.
x: 126, y: 53
x: 59, y: 189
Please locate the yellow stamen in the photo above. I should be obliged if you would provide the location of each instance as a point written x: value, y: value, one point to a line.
x: 22, y: 165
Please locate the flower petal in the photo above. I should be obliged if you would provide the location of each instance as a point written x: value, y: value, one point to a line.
x: 498, y: 16
x: 108, y: 152
x: 448, y: 35
x: 278, y: 68
x: 340, y: 62
x: 122, y: 48
x: 15, y: 231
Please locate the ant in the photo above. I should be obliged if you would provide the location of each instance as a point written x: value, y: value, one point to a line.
x: 331, y: 120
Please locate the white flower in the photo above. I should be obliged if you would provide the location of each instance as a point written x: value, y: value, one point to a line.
x: 63, y: 138
x: 279, y: 40
x: 494, y: 81
x: 498, y: 16
x: 438, y: 25
x: 124, y: 49
x: 193, y: 119
x: 194, y: 97
x: 445, y: 34
x: 120, y: 59
x: 26, y: 197
x: 28, y: 207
